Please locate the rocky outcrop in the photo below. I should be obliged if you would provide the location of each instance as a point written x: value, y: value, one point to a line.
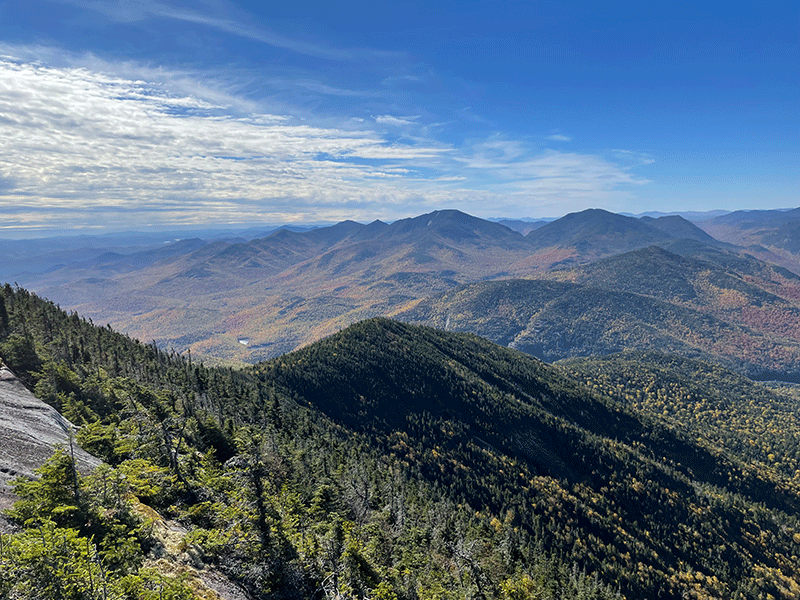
x: 29, y: 432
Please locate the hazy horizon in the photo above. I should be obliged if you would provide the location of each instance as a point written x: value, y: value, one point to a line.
x: 221, y: 229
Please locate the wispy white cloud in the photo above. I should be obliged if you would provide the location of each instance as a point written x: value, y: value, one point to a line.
x: 559, y: 137
x: 209, y: 87
x: 86, y: 142
x: 124, y: 11
x: 395, y: 121
x: 631, y: 157
x: 72, y: 139
x: 398, y: 80
x: 321, y: 88
x: 564, y: 180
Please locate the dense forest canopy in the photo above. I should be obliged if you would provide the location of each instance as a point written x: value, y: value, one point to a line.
x: 387, y: 461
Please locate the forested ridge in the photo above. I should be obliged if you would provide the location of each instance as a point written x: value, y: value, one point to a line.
x: 707, y: 304
x: 387, y: 461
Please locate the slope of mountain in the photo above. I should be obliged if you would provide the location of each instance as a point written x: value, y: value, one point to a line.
x: 651, y: 271
x: 398, y: 461
x: 524, y: 227
x: 785, y: 237
x: 764, y: 232
x: 749, y: 227
x: 475, y: 417
x: 555, y: 320
x: 727, y: 256
x: 450, y: 225
x: 737, y: 290
x: 689, y: 215
x: 300, y: 508
x: 43, y: 255
x: 723, y: 407
x: 705, y: 302
x: 678, y: 228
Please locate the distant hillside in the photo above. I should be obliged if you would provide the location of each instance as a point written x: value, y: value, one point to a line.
x: 594, y: 233
x: 652, y: 270
x: 524, y: 227
x: 679, y: 228
x: 707, y: 302
x: 744, y: 227
x: 785, y: 237
x: 774, y: 231
x: 721, y: 406
x: 738, y: 290
x: 555, y: 320
x: 450, y: 225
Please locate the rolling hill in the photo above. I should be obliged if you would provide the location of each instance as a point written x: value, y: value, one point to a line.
x: 739, y: 290
x: 690, y: 272
x: 752, y: 227
x: 698, y: 300
x: 594, y: 233
x: 679, y: 228
x: 769, y: 234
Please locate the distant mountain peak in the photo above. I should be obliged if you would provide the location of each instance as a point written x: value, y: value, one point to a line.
x: 596, y: 231
x: 450, y: 224
x: 679, y: 228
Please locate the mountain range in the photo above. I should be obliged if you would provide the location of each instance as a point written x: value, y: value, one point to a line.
x: 246, y: 300
x: 391, y: 459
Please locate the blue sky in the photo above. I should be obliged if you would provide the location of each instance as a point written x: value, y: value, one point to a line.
x: 161, y: 113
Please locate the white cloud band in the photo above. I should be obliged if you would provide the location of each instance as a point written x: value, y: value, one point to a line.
x: 78, y: 145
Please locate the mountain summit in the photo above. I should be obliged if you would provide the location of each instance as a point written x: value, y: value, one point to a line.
x: 451, y: 225
x: 595, y: 232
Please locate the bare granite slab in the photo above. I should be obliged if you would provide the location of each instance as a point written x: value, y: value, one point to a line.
x: 29, y: 432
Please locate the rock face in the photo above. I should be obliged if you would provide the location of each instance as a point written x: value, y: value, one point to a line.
x: 29, y: 432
